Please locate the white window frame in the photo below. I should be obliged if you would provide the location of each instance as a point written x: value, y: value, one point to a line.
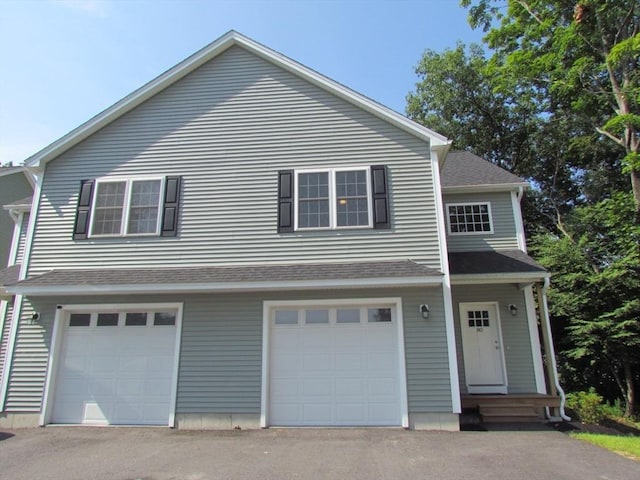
x: 60, y: 325
x: 127, y: 206
x: 469, y: 204
x: 333, y: 215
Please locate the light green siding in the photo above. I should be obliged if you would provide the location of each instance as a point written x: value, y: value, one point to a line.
x: 228, y: 128
x: 516, y: 340
x: 504, y: 225
x: 221, y: 348
x: 13, y: 187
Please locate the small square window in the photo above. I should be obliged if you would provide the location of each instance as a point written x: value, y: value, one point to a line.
x: 79, y: 319
x: 350, y: 315
x: 316, y: 316
x: 379, y: 315
x: 108, y: 319
x: 286, y: 317
x: 164, y: 319
x: 136, y: 319
x: 469, y: 218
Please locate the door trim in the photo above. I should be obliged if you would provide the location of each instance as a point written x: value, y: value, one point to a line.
x: 484, y: 389
x: 269, y: 305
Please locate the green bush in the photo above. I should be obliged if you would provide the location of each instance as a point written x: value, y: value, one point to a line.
x: 614, y: 410
x: 587, y: 406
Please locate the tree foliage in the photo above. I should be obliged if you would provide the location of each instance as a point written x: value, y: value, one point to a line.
x: 596, y: 277
x: 581, y: 56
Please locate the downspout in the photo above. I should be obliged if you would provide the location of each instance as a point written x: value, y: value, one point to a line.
x: 551, y: 354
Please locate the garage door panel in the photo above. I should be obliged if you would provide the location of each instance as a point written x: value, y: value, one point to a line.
x: 114, y: 374
x: 330, y: 373
x: 317, y: 387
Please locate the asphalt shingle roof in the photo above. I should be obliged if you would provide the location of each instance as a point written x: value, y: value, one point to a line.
x: 506, y: 261
x: 466, y: 169
x: 9, y: 275
x: 232, y: 274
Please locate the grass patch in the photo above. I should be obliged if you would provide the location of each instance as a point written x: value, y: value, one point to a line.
x: 622, y: 445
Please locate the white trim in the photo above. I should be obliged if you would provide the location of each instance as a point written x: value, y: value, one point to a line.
x: 269, y: 305
x: 464, y: 306
x: 404, y: 393
x: 449, y: 319
x: 469, y: 204
x: 86, y: 289
x: 11, y: 345
x: 204, y: 55
x: 56, y: 342
x: 333, y: 211
x: 497, y: 187
x: 176, y: 365
x: 517, y: 218
x: 126, y: 207
x: 536, y: 351
x: 52, y: 367
x: 31, y: 229
x: 485, y: 278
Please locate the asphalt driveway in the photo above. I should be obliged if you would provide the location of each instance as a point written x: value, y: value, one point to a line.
x: 69, y: 453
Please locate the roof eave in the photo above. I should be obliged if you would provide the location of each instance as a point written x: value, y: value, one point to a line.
x: 489, y: 278
x: 225, y: 287
x: 491, y: 187
x: 199, y: 58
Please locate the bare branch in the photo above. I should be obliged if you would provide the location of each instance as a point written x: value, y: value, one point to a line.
x: 611, y: 136
x: 526, y: 6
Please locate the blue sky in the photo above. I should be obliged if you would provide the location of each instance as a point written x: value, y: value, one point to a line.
x: 63, y: 61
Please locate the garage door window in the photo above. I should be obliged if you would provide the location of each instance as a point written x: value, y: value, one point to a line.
x: 79, y: 319
x: 375, y: 315
x: 108, y: 319
x: 136, y: 320
x: 351, y: 315
x: 317, y: 317
x: 164, y: 319
x: 286, y: 317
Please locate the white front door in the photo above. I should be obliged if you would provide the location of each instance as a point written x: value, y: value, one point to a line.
x: 482, y: 348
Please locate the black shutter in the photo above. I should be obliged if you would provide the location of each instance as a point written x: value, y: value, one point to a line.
x: 83, y: 210
x: 171, y: 207
x: 380, y: 201
x: 285, y: 201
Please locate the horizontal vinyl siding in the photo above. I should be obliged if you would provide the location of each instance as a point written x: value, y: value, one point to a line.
x: 228, y: 128
x: 221, y: 349
x: 6, y: 308
x: 13, y: 187
x: 504, y: 227
x: 515, y: 332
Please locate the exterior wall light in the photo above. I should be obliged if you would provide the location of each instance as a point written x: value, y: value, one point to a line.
x: 513, y: 309
x: 424, y: 311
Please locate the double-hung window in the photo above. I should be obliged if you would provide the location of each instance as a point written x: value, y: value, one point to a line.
x: 127, y: 207
x: 469, y: 218
x: 333, y: 199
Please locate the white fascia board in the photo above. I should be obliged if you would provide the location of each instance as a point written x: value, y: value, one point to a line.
x: 201, y: 57
x: 223, y: 287
x: 497, y: 187
x: 488, y: 278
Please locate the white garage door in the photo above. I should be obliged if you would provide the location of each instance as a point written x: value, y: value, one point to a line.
x: 334, y: 366
x: 116, y: 368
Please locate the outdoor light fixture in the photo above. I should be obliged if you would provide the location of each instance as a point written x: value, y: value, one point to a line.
x: 424, y: 311
x: 513, y: 309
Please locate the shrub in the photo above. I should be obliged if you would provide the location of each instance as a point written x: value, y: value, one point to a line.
x: 587, y: 406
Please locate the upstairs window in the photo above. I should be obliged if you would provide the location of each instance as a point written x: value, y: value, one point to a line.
x: 469, y: 218
x: 333, y: 199
x: 114, y: 207
x: 128, y: 207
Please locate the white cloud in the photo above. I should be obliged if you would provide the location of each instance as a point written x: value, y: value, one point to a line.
x: 98, y: 8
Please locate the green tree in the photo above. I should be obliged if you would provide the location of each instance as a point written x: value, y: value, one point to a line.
x: 579, y: 56
x: 596, y: 289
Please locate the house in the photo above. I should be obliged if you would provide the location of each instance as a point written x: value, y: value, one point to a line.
x: 245, y: 242
x: 16, y: 190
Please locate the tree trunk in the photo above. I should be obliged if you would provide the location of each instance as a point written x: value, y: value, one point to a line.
x: 635, y: 187
x: 631, y: 393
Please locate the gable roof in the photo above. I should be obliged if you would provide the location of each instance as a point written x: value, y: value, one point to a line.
x: 232, y: 278
x: 6, y: 171
x: 464, y: 169
x: 217, y: 47
x: 24, y: 204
